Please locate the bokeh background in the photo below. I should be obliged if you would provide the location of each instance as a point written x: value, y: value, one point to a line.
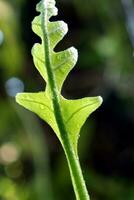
x: 32, y: 163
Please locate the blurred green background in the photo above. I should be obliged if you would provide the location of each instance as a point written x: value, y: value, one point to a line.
x: 32, y: 163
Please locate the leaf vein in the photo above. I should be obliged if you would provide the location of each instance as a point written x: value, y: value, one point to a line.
x: 56, y: 67
x: 38, y: 103
x: 49, y: 32
x: 90, y: 104
x: 60, y: 65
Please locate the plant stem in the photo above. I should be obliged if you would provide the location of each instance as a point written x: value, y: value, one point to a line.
x: 73, y: 162
x: 76, y: 175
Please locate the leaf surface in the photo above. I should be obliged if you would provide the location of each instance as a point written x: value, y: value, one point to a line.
x: 54, y: 68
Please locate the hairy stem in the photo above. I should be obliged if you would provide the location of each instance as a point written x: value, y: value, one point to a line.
x: 73, y: 162
x: 76, y: 175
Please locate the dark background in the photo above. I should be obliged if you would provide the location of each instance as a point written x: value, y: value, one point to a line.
x: 32, y: 163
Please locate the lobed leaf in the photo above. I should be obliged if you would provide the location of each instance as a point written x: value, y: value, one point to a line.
x: 74, y: 112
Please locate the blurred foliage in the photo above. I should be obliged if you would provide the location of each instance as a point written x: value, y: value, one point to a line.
x: 101, y: 31
x: 11, y: 45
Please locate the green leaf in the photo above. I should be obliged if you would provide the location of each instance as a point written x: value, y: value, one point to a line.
x: 54, y: 68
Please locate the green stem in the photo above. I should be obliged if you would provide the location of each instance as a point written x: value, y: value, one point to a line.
x: 76, y: 175
x: 73, y: 162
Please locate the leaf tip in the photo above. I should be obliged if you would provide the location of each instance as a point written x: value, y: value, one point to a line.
x: 74, y: 52
x: 47, y: 4
x: 100, y: 99
x: 17, y: 97
x: 96, y: 102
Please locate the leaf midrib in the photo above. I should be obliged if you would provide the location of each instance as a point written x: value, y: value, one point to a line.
x: 51, y: 80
